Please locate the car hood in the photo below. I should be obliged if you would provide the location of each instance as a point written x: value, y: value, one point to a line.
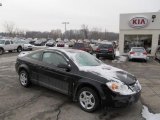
x: 110, y: 73
x: 27, y: 44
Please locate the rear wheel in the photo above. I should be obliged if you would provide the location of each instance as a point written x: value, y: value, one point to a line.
x: 97, y: 56
x: 1, y: 51
x: 24, y: 78
x: 113, y: 57
x: 19, y: 49
x: 88, y: 99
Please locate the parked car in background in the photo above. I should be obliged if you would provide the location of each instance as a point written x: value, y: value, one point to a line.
x: 61, y: 44
x: 39, y: 42
x: 8, y: 45
x: 25, y: 44
x: 137, y: 53
x: 105, y: 50
x: 51, y: 43
x: 79, y: 75
x: 83, y: 46
x: 95, y: 46
x: 70, y: 44
x: 157, y: 54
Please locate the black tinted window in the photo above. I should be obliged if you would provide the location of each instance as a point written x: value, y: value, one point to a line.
x: 53, y: 58
x: 105, y: 46
x: 7, y: 42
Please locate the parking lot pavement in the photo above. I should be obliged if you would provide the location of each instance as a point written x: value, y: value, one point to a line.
x: 37, y: 103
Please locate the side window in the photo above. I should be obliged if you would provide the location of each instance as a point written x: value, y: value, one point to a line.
x: 7, y: 42
x: 35, y: 56
x: 53, y: 58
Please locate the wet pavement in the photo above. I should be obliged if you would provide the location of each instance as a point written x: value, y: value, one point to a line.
x: 38, y: 103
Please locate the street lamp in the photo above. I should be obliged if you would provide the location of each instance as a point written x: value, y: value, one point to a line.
x: 65, y: 25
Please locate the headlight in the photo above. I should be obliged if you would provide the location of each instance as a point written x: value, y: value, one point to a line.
x: 120, y: 88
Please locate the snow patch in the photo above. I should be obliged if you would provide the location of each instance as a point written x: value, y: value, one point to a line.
x: 105, y: 71
x: 117, y: 53
x: 149, y: 116
x: 121, y: 59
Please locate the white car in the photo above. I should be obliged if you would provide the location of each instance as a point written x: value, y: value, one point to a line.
x: 25, y: 44
x: 137, y: 53
x: 9, y: 45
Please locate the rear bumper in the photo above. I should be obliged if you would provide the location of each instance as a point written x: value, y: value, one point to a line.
x: 138, y: 57
x: 105, y: 54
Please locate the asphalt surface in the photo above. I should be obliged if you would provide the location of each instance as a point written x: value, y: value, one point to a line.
x: 38, y: 103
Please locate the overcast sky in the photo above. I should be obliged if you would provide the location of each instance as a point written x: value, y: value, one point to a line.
x: 45, y: 15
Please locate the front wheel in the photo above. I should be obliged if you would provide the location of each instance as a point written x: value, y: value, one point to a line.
x: 1, y: 51
x: 88, y: 99
x: 19, y: 49
x: 24, y: 78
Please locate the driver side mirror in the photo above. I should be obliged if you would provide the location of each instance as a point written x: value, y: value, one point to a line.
x: 64, y: 66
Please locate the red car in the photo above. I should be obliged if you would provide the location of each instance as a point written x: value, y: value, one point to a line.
x: 61, y: 44
x: 83, y: 46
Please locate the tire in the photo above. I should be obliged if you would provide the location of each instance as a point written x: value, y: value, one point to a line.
x: 24, y: 78
x: 19, y: 49
x: 88, y: 99
x: 97, y: 56
x: 113, y: 57
x: 1, y: 51
x: 145, y: 61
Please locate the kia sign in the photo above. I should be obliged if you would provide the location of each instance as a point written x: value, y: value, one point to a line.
x: 138, y: 22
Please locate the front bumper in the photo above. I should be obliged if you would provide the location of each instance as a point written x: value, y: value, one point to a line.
x: 116, y: 100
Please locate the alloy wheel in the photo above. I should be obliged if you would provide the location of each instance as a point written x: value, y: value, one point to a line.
x: 87, y: 100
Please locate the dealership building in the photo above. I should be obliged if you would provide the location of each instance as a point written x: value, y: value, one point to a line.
x: 139, y: 30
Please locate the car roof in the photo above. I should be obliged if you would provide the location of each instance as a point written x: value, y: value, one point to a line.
x: 137, y: 48
x: 65, y: 50
x: 106, y: 43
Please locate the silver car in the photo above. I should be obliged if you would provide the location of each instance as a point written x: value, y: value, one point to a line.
x: 137, y: 53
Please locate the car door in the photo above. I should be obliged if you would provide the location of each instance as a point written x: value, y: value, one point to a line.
x: 7, y: 45
x: 50, y: 75
x: 33, y: 61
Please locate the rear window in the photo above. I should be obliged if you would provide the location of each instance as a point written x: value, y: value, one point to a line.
x: 105, y: 46
x: 138, y: 50
x: 78, y: 45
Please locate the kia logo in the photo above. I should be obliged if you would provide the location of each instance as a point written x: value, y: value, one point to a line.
x: 138, y: 22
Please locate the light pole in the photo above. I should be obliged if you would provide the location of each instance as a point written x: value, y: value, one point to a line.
x: 65, y: 26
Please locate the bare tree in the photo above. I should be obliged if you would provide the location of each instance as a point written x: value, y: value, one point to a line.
x: 85, y: 31
x: 9, y: 28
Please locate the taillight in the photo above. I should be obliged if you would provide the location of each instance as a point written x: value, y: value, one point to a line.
x: 132, y: 53
x: 97, y: 50
x: 110, y: 49
x: 145, y: 53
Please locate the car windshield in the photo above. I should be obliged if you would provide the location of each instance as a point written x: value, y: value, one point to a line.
x: 138, y: 49
x: 78, y: 45
x: 2, y: 41
x: 105, y: 46
x: 86, y: 59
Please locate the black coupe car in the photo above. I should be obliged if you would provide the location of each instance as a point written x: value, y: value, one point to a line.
x: 80, y: 75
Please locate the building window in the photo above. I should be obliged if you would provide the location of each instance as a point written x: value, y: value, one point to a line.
x: 137, y: 41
